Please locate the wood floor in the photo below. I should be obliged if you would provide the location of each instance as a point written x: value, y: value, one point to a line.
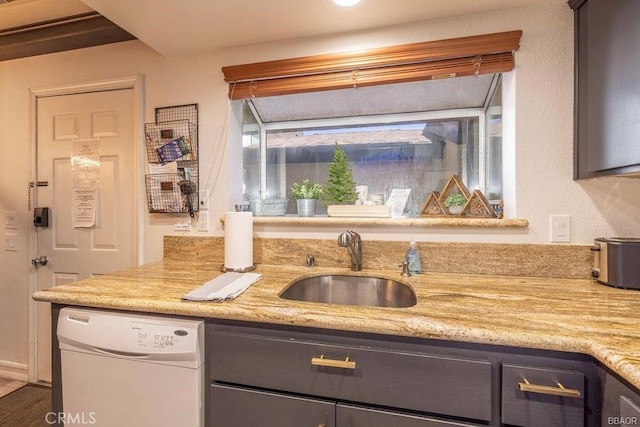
x: 9, y: 385
x: 26, y: 407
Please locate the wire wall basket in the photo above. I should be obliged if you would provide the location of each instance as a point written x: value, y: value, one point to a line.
x: 172, y: 192
x: 170, y: 141
x: 172, y: 151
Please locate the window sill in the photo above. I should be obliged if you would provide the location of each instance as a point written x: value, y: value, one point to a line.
x: 444, y: 221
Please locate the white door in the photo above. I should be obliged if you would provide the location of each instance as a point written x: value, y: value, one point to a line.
x: 104, y: 120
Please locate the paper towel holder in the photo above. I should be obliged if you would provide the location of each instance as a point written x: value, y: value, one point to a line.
x: 237, y: 270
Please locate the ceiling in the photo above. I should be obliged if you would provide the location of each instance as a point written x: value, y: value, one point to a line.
x: 176, y: 27
x: 18, y: 13
x: 39, y: 27
x: 179, y: 27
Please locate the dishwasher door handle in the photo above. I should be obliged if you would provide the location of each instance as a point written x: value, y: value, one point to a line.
x: 121, y: 353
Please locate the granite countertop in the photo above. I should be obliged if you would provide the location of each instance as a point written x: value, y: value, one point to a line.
x: 571, y: 315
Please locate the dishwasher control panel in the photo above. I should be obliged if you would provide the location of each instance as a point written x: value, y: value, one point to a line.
x: 136, y: 336
x: 159, y: 337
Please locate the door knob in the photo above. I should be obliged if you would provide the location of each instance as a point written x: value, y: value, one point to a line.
x: 43, y: 260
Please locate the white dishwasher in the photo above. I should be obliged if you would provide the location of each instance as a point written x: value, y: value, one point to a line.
x: 131, y: 370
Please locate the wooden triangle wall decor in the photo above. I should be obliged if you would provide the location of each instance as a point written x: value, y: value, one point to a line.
x: 476, y: 204
x: 432, y: 205
x: 451, y: 186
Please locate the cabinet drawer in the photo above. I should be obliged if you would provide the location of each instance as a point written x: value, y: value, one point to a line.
x: 236, y: 407
x: 353, y: 416
x: 629, y: 412
x: 415, y: 381
x: 543, y: 401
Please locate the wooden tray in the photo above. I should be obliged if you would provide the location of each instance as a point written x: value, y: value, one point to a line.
x: 359, y: 211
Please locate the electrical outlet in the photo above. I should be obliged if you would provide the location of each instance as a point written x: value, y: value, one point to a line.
x: 182, y: 226
x: 560, y: 228
x: 204, y: 199
x: 203, y: 220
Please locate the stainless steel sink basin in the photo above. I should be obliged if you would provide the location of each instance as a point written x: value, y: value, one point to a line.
x: 350, y: 290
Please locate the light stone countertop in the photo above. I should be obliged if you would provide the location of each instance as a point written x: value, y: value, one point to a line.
x: 424, y: 221
x: 571, y: 315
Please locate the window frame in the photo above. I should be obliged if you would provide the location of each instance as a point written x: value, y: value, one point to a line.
x: 505, y: 44
x: 370, y: 120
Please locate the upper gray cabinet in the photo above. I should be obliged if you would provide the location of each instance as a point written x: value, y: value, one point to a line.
x: 607, y: 88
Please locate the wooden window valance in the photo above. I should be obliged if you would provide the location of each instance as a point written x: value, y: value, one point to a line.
x: 465, y: 56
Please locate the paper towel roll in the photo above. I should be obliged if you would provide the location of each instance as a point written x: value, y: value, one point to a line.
x: 238, y: 240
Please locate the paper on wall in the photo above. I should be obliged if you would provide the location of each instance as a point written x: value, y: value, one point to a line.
x: 171, y: 167
x: 83, y: 207
x: 85, y: 163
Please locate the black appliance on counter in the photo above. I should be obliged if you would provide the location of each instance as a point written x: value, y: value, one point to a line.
x: 616, y: 262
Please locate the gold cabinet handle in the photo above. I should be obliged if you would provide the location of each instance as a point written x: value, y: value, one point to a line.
x: 559, y: 390
x: 332, y: 363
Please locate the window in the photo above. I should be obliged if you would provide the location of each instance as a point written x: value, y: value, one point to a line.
x: 407, y: 117
x: 493, y: 138
x: 417, y: 149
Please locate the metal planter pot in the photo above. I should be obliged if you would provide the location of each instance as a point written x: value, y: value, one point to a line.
x: 306, y: 207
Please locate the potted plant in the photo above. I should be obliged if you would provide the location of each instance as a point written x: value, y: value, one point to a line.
x: 306, y: 193
x: 454, y: 203
x: 340, y: 188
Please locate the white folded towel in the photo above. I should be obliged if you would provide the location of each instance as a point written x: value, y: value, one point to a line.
x: 227, y: 286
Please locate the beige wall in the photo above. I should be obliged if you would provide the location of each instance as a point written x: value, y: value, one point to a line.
x: 542, y: 180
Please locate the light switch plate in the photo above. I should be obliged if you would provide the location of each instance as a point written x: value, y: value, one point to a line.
x: 560, y: 228
x: 11, y: 220
x: 11, y: 242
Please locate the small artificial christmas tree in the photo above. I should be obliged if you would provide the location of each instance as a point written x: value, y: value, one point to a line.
x: 340, y: 188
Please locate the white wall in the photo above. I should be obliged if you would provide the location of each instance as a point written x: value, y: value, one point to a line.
x: 543, y: 94
x: 543, y: 132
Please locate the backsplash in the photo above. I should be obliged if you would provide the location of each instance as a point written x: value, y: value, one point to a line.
x: 503, y: 259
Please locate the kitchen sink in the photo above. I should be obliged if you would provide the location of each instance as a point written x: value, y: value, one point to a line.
x: 350, y: 290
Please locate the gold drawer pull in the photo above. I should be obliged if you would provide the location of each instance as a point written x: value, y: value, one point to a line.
x: 544, y: 389
x: 332, y: 363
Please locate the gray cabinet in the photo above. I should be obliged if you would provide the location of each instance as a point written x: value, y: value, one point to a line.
x: 534, y: 396
x: 354, y: 416
x: 414, y: 381
x: 372, y: 380
x: 232, y: 406
x: 241, y: 407
x: 629, y: 412
x: 607, y: 89
x: 620, y: 401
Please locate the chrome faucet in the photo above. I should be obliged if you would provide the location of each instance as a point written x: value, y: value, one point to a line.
x: 351, y: 240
